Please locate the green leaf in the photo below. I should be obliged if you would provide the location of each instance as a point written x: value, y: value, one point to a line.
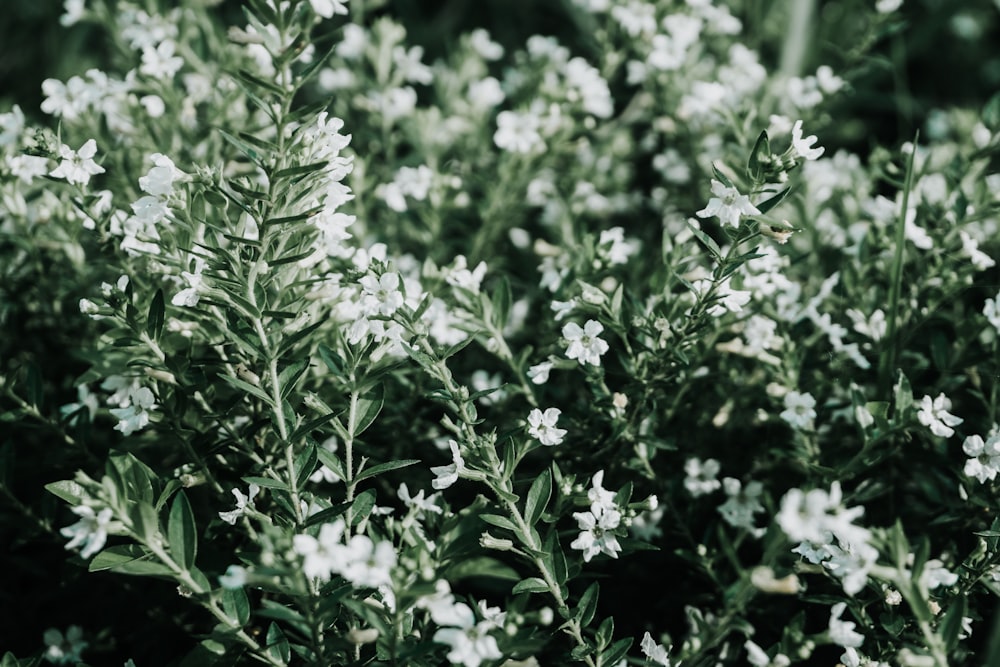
x: 499, y: 522
x: 538, y: 497
x: 719, y: 176
x: 384, y: 467
x: 368, y: 406
x: 991, y: 113
x: 236, y: 605
x: 129, y: 559
x: 706, y: 240
x: 277, y: 644
x: 9, y: 660
x: 903, y: 395
x: 761, y: 147
x: 617, y: 651
x: 181, y: 532
x: 248, y: 388
x: 300, y: 170
x: 291, y: 374
x: 951, y: 626
x: 605, y: 632
x: 482, y: 566
x: 305, y: 465
x: 68, y: 490
x: 771, y: 202
x: 332, y: 360
x: 146, y: 521
x: 154, y: 319
x: 267, y: 483
x: 588, y: 604
x: 362, y: 506
x: 530, y: 585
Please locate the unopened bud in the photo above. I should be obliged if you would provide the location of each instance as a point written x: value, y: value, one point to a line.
x: 487, y: 541
x: 764, y: 580
x: 357, y: 636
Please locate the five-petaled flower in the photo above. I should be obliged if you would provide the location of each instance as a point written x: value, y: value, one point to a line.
x: 243, y: 504
x: 803, y: 147
x: 77, y: 166
x: 597, y: 531
x: 727, y: 205
x: 935, y: 416
x: 542, y: 426
x: 90, y: 532
x: 584, y: 344
x: 984, y: 456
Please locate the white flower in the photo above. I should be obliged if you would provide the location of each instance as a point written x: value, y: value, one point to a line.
x: 418, y: 501
x: 469, y: 641
x: 328, y: 8
x: 842, y: 632
x: 970, y: 248
x: 159, y: 181
x: 758, y: 658
x: 518, y: 132
x: 991, y: 310
x: 77, y: 166
x: 934, y: 415
x: 542, y: 426
x: 368, y: 565
x: 597, y: 534
x: 64, y: 650
x: 803, y: 147
x: 324, y: 555
x: 799, y: 412
x: 597, y: 494
x: 936, y: 574
x: 381, y: 295
x: 243, y: 503
x: 448, y: 475
x: 984, y: 461
x: 160, y: 62
x: 742, y: 504
x: 727, y: 205
x: 816, y: 516
x: 90, y: 532
x: 701, y: 476
x: 584, y: 344
x: 539, y: 373
x: 653, y: 651
x: 134, y: 415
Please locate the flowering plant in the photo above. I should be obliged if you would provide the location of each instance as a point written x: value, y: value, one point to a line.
x: 354, y: 354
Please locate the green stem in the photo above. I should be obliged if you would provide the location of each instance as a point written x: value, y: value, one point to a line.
x: 887, y: 360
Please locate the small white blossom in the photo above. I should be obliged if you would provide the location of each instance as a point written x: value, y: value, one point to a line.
x: 134, y: 415
x: 539, y: 373
x: 90, y: 532
x: 727, y: 205
x: 657, y: 653
x: 934, y: 415
x: 78, y: 166
x: 597, y: 531
x: 803, y: 146
x: 542, y: 426
x: 584, y: 344
x: 984, y: 456
x: 799, y: 412
x: 329, y: 8
x: 470, y: 642
x: 243, y: 503
x: 701, y: 476
x: 64, y: 649
x: 842, y: 632
x: 447, y: 475
x: 324, y: 555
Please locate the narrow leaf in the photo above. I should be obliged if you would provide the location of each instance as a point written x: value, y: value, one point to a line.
x: 181, y: 532
x: 154, y: 319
